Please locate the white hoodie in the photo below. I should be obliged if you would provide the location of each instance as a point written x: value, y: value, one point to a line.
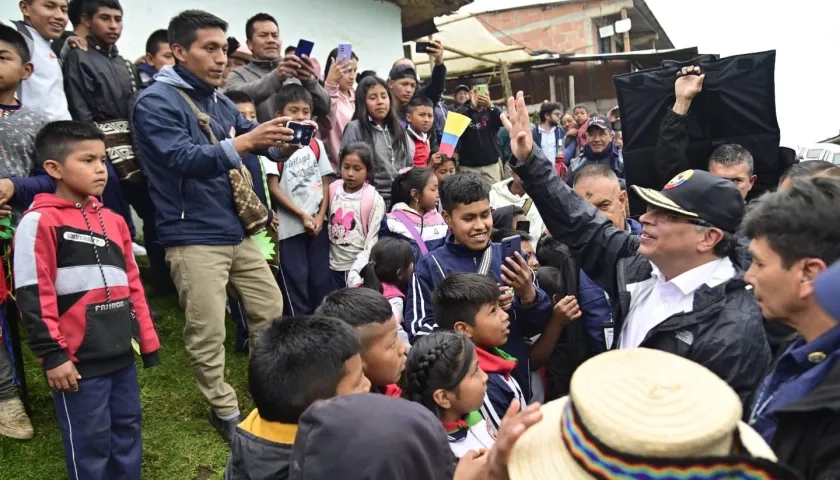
x: 501, y: 196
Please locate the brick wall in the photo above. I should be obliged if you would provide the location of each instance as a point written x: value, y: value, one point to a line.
x: 564, y: 28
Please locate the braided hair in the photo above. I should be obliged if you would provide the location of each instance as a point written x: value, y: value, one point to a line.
x: 439, y: 361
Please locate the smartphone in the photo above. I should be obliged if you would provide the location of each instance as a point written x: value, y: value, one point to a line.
x: 302, y: 133
x: 511, y: 245
x: 523, y: 226
x: 482, y: 90
x: 422, y: 47
x: 345, y: 52
x: 304, y: 47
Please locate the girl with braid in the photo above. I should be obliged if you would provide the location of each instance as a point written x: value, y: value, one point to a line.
x: 442, y: 374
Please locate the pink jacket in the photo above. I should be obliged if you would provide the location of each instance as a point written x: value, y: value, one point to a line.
x: 331, y: 127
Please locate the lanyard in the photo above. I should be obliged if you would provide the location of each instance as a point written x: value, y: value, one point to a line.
x: 763, y: 399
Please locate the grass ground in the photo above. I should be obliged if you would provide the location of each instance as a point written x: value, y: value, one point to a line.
x: 178, y: 441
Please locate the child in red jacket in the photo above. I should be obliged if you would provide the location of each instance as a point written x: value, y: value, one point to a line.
x: 420, y: 118
x: 79, y: 292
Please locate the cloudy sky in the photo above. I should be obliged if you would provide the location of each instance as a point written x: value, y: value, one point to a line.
x: 804, y: 34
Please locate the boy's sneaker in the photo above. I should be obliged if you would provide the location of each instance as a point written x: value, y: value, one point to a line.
x: 226, y: 428
x: 14, y: 423
x: 139, y: 250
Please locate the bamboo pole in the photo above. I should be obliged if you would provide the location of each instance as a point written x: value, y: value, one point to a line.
x: 506, y: 81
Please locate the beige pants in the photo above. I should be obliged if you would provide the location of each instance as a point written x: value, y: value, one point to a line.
x: 201, y: 274
x: 491, y: 173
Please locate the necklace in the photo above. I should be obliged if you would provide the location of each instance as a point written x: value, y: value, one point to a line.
x: 388, y: 141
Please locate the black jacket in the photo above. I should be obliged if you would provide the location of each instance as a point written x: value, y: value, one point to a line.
x: 724, y: 332
x: 99, y: 84
x: 256, y: 458
x: 807, y: 436
x: 477, y: 146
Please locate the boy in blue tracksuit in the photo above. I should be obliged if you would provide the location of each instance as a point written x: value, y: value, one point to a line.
x: 466, y: 209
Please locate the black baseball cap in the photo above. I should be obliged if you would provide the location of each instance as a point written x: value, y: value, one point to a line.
x: 402, y: 71
x: 700, y: 195
x: 599, y: 121
x: 462, y: 87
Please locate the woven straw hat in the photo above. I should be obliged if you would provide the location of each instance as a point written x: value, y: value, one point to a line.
x: 634, y: 413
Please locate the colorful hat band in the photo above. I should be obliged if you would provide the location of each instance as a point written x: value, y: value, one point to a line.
x: 604, y: 463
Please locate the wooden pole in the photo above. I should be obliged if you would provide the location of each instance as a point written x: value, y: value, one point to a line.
x: 470, y: 55
x: 626, y: 34
x: 506, y: 81
x: 571, y: 91
x: 552, y: 94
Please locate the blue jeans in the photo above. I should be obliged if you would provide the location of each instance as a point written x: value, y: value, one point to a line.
x: 100, y: 427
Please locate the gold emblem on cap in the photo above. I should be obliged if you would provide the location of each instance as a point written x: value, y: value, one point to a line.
x: 816, y: 357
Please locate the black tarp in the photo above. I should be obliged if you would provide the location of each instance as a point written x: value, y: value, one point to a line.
x: 737, y: 105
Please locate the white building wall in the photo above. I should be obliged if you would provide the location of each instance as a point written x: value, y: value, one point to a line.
x: 373, y: 27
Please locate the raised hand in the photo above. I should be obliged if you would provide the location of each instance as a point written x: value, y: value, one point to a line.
x: 518, y: 124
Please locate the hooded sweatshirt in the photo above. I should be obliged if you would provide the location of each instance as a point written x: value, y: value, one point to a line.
x: 78, y: 287
x: 386, y: 162
x: 501, y: 196
x: 477, y: 146
x: 331, y: 126
x: 388, y: 438
x: 430, y: 227
x: 260, y: 450
x: 259, y: 80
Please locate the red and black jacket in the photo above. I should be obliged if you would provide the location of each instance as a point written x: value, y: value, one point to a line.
x: 78, y: 287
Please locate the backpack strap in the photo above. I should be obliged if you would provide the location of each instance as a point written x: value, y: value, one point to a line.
x: 409, y: 225
x: 316, y: 148
x: 334, y: 188
x: 535, y: 132
x: 368, y: 195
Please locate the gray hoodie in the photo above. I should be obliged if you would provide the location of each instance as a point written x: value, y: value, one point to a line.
x: 384, y: 170
x: 259, y: 80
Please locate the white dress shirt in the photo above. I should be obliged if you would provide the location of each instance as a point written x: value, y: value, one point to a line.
x: 548, y: 142
x: 666, y: 299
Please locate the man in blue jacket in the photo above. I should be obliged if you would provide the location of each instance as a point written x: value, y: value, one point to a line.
x: 197, y: 223
x: 795, y: 237
x: 599, y: 185
x: 466, y: 209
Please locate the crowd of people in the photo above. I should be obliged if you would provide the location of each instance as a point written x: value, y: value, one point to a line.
x: 490, y: 314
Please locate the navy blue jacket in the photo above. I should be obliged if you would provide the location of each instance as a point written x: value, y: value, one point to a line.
x: 596, y: 312
x: 188, y: 177
x: 39, y: 182
x: 525, y: 320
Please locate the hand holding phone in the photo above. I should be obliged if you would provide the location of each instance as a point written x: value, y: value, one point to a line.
x: 304, y: 47
x: 345, y: 53
x: 422, y: 47
x: 301, y: 133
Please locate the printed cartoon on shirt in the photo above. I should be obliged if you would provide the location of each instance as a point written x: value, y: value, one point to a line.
x: 341, y: 225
